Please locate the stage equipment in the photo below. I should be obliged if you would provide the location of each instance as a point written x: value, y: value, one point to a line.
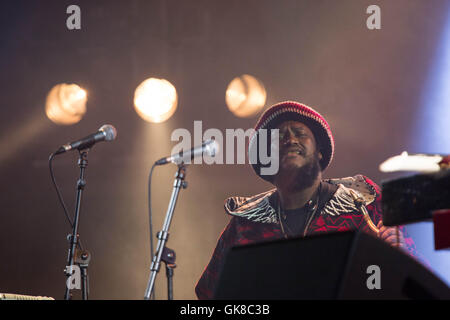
x: 341, y: 265
x: 79, y: 258
x: 13, y: 296
x: 420, y: 197
x: 106, y: 132
x: 163, y: 253
x: 415, y: 162
x: 209, y: 147
x: 414, y: 198
x: 441, y: 223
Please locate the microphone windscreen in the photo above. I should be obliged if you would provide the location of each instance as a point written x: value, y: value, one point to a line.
x: 212, y: 147
x: 110, y: 132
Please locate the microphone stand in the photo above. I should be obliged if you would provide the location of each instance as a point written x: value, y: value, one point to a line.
x: 82, y: 258
x: 162, y: 253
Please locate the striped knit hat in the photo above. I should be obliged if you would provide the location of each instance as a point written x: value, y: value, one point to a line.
x: 291, y: 110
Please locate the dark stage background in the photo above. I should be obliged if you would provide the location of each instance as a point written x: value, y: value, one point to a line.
x: 368, y: 83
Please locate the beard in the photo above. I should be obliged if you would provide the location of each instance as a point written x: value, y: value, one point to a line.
x: 306, y: 175
x: 302, y: 177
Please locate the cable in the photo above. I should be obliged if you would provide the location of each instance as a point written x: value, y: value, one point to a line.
x: 152, y: 294
x: 50, y: 164
x: 58, y: 192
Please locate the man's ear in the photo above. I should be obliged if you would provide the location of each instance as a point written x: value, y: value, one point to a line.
x: 320, y: 155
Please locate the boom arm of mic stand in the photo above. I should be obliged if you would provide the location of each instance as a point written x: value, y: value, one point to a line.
x: 163, y: 235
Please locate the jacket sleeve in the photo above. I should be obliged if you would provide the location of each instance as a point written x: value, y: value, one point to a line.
x: 206, y: 286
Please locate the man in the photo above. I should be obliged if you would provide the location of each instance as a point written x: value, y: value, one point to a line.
x: 303, y: 203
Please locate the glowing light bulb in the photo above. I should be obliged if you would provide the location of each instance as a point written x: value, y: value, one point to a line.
x: 155, y: 100
x: 245, y: 96
x: 66, y: 104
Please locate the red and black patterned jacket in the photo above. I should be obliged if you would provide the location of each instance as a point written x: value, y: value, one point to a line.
x: 255, y: 220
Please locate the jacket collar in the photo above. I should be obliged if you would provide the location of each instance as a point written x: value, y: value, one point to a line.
x: 261, y: 207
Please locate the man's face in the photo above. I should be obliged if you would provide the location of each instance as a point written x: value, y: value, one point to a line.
x: 299, y: 157
x: 297, y: 145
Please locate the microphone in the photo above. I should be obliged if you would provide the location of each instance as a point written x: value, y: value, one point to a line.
x: 106, y: 133
x: 210, y: 147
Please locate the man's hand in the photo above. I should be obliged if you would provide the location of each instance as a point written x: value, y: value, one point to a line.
x: 391, y: 235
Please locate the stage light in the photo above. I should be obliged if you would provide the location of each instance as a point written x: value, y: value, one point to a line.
x: 66, y: 104
x: 155, y: 100
x: 245, y: 96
